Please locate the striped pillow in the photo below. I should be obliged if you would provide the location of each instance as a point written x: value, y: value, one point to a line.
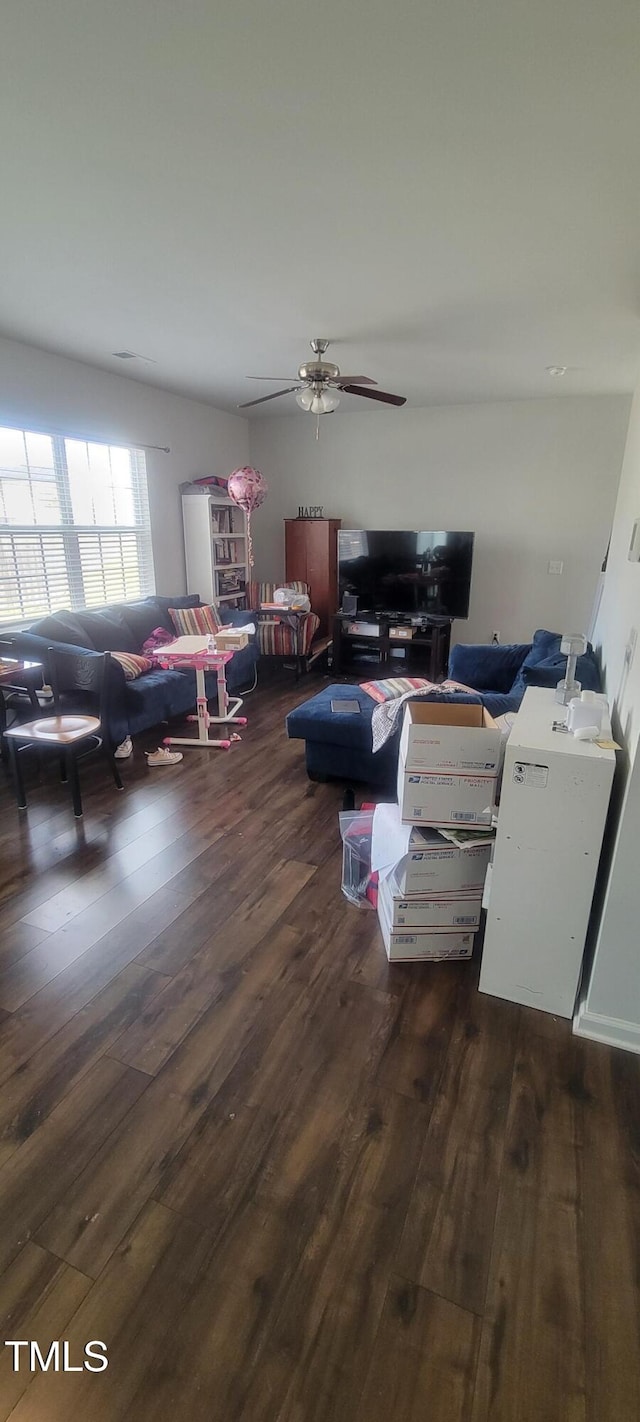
x: 189, y: 621
x: 132, y: 665
x: 394, y: 686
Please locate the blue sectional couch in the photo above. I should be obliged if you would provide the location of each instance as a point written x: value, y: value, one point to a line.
x: 338, y: 744
x: 157, y: 695
x: 502, y: 673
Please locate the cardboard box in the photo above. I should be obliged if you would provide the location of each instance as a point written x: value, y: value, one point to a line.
x: 435, y: 866
x: 441, y: 736
x: 231, y: 639
x: 440, y: 798
x: 425, y: 911
x: 425, y: 861
x: 419, y: 944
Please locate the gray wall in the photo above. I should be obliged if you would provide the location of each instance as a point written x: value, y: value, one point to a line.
x: 536, y: 480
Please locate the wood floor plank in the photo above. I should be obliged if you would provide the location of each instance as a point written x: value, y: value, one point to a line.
x: 318, y: 1186
x: 532, y: 1357
x: 239, y: 885
x: 277, y: 1264
x: 532, y: 1351
x: 132, y: 1308
x: 424, y: 1360
x: 43, y: 1169
x: 121, y: 1177
x: 337, y: 936
x: 84, y: 891
x: 308, y: 1080
x: 448, y: 1239
x: 63, y: 849
x: 150, y: 1042
x: 24, y: 1031
x: 153, y: 1037
x: 609, y: 1091
x: 217, y: 1337
x: 38, y: 1297
x: 35, y: 1089
x: 16, y: 940
x: 416, y: 1054
x: 234, y: 925
x: 318, y: 1351
x: 172, y: 948
x: 21, y: 981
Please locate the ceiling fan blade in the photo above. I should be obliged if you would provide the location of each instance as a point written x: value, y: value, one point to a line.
x: 263, y: 398
x: 270, y: 377
x: 382, y: 395
x: 353, y: 380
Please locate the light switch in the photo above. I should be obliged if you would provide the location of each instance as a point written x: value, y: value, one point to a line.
x: 555, y: 566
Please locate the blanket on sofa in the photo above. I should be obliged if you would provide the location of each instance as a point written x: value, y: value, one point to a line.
x: 384, y: 721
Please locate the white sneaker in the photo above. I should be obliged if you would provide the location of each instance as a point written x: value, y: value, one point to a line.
x: 163, y: 756
x: 124, y: 750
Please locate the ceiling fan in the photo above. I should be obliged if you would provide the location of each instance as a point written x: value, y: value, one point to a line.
x: 316, y: 382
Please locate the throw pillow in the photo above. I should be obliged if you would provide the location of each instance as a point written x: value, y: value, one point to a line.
x: 544, y: 665
x: 552, y: 669
x: 63, y: 627
x: 132, y: 665
x: 393, y: 686
x: 106, y: 630
x: 189, y: 621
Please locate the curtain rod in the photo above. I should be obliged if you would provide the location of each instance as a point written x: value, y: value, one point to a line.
x: 86, y: 438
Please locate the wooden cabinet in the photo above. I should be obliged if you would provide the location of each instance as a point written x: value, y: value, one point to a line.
x: 311, y: 556
x: 375, y: 648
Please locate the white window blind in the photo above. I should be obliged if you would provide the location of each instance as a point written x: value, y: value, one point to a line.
x: 74, y: 525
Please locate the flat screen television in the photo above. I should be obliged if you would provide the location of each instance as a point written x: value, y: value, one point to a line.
x: 419, y: 574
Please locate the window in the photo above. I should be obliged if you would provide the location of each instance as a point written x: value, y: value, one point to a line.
x: 74, y: 525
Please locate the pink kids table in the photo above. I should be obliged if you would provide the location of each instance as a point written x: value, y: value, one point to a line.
x: 195, y: 653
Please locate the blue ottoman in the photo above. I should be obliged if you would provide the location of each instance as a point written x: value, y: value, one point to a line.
x: 338, y: 743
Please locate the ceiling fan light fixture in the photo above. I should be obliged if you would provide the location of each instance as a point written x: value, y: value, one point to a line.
x: 329, y: 402
x: 320, y: 385
x: 317, y: 402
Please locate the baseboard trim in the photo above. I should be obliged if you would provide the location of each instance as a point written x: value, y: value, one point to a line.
x: 611, y: 1030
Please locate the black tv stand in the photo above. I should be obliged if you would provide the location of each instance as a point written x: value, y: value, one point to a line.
x: 372, y: 645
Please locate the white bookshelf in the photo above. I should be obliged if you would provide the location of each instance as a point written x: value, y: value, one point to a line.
x: 216, y: 549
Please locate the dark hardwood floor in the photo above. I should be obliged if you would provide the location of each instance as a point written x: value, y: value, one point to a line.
x: 282, y: 1181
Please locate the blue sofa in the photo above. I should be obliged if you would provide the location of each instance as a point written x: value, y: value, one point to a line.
x: 502, y: 673
x: 338, y: 744
x: 157, y: 695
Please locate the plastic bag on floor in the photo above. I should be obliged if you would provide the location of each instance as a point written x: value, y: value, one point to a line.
x: 356, y: 827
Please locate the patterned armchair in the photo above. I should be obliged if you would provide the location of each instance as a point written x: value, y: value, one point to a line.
x: 282, y: 638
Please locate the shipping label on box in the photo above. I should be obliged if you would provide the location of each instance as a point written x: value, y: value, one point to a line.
x: 444, y: 868
x: 435, y: 798
x: 442, y: 736
x: 417, y: 911
x: 231, y: 639
x: 408, y: 946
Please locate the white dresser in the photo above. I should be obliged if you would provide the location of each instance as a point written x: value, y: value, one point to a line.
x: 553, y: 808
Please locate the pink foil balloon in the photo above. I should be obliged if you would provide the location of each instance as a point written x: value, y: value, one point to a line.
x: 248, y: 489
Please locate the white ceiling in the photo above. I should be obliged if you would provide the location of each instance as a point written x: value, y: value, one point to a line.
x: 450, y: 189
